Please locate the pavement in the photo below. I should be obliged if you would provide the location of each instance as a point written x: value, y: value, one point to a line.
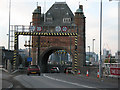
x: 5, y: 83
x: 103, y: 79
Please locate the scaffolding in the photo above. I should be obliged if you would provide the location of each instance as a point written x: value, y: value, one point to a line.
x: 17, y: 28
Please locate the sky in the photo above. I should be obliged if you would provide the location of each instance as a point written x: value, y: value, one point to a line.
x: 21, y: 14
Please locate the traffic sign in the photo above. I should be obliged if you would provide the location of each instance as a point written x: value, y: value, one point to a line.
x: 64, y: 28
x: 57, y: 28
x: 39, y: 29
x: 29, y: 59
x: 32, y: 28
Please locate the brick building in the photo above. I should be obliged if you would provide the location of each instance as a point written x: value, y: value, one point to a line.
x: 58, y: 19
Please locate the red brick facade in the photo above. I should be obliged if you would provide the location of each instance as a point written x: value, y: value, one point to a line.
x: 50, y: 44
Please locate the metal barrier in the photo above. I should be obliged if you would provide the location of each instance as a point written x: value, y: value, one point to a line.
x: 112, y: 69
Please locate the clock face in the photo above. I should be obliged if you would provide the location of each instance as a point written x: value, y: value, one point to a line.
x: 64, y: 28
x: 57, y: 28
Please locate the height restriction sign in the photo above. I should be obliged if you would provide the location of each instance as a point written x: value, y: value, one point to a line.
x: 39, y: 29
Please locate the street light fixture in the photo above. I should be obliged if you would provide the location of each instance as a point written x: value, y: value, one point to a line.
x: 114, y: 0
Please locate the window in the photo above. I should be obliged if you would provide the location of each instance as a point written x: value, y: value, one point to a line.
x: 62, y: 8
x: 48, y: 13
x: 49, y: 19
x: 66, y: 20
x: 56, y: 8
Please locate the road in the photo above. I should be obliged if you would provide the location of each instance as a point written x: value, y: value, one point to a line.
x: 7, y: 81
x: 61, y: 80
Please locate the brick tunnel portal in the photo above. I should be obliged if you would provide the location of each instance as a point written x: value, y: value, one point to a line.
x: 44, y: 57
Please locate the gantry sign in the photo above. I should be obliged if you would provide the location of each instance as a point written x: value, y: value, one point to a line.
x: 43, y: 34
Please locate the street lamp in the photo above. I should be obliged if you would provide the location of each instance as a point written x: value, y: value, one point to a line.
x: 93, y: 45
x: 100, y: 62
x: 89, y: 52
x: 9, y: 25
x: 114, y: 0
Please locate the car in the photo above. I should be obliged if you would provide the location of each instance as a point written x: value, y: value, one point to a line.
x: 33, y: 69
x: 65, y: 70
x: 21, y: 67
x: 55, y: 70
x: 68, y: 70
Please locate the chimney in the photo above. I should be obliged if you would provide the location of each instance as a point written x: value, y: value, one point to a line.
x: 81, y: 7
x: 39, y: 8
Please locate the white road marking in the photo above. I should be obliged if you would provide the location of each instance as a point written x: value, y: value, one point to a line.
x: 67, y: 82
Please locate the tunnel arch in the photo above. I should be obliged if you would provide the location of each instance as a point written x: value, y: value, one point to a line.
x: 45, y: 55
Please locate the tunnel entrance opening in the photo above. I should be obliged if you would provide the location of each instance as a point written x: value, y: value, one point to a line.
x: 55, y: 57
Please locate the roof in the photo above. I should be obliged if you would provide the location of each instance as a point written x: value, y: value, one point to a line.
x: 79, y: 10
x: 37, y: 10
x: 57, y: 12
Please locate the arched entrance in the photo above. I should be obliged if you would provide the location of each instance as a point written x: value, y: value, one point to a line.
x: 45, y: 56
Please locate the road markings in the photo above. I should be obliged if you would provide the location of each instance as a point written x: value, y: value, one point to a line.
x: 80, y: 85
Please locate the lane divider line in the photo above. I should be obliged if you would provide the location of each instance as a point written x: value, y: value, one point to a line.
x: 68, y: 82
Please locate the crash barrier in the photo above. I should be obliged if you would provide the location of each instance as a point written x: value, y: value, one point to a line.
x: 112, y: 69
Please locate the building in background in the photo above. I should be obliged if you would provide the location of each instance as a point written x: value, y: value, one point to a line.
x: 91, y: 58
x: 63, y: 59
x: 6, y: 57
x: 117, y: 56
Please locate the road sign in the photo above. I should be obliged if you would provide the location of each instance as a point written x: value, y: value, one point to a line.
x: 32, y: 28
x: 39, y: 29
x: 29, y: 59
x: 57, y: 28
x: 64, y: 28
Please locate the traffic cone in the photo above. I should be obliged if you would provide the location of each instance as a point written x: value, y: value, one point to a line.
x: 78, y: 71
x: 87, y: 73
x: 98, y: 74
x: 66, y: 71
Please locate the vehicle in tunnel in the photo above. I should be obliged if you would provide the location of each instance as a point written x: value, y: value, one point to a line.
x: 33, y: 69
x: 55, y: 70
x: 68, y: 70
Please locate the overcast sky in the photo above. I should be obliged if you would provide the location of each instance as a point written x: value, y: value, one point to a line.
x: 21, y: 14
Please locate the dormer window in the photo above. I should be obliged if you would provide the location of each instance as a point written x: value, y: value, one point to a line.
x: 56, y: 8
x: 66, y: 20
x: 62, y: 8
x: 48, y: 13
x: 49, y: 19
x: 67, y: 13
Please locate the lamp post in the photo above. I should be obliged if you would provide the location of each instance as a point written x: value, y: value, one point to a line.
x: 114, y: 0
x: 9, y: 25
x: 93, y: 45
x: 89, y: 52
x: 100, y: 62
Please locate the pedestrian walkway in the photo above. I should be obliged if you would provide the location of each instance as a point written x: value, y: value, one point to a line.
x: 103, y: 79
x: 6, y: 84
